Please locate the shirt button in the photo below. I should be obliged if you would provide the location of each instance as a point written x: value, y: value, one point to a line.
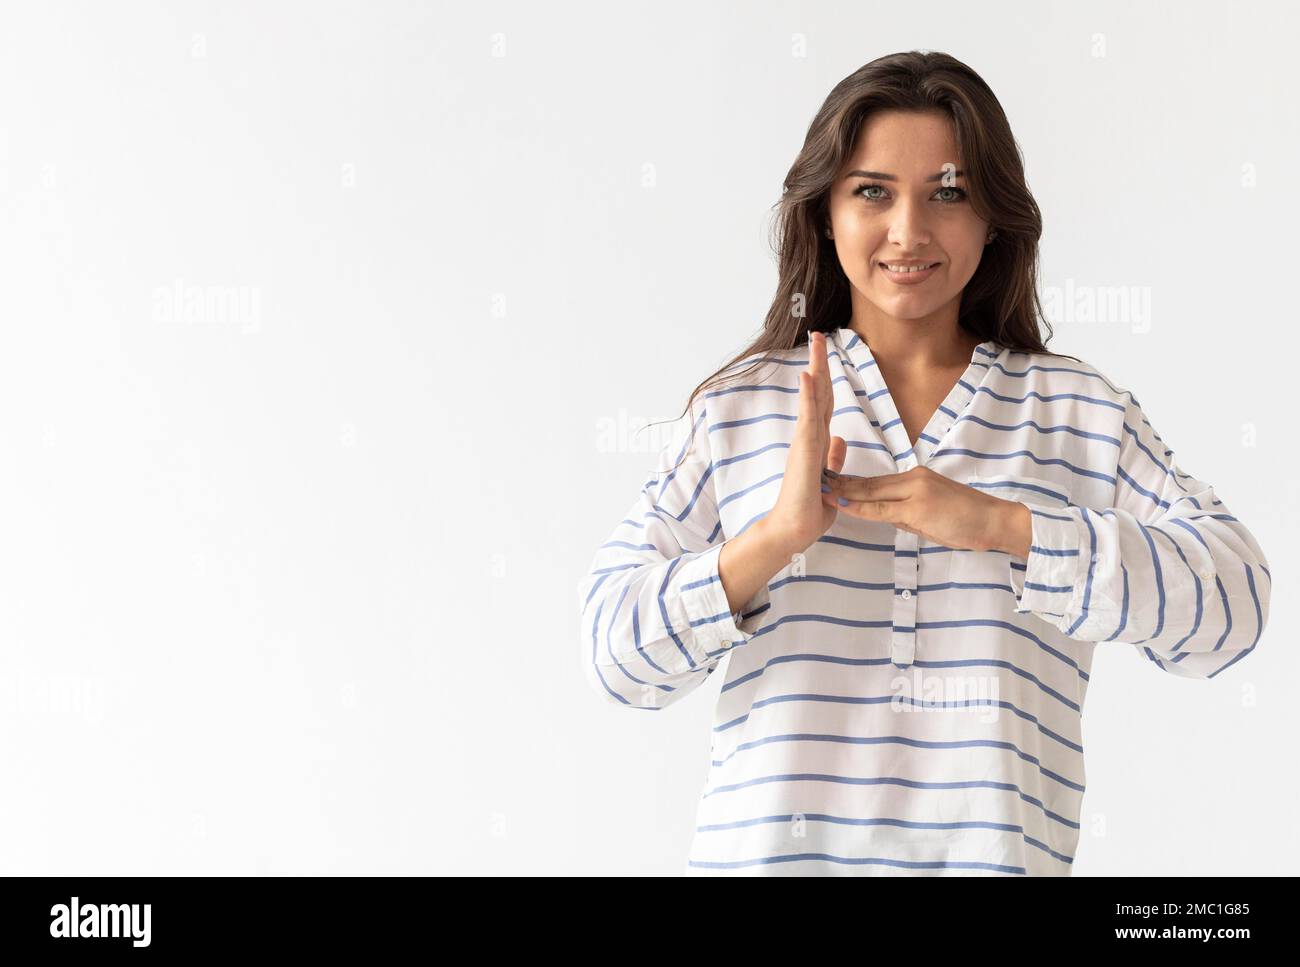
x: 1207, y: 574
x: 907, y: 593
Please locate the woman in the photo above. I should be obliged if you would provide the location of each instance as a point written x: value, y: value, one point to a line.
x: 908, y: 523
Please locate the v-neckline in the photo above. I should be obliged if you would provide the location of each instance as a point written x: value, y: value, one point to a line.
x: 879, y: 402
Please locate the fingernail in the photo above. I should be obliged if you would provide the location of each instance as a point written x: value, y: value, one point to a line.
x: 825, y: 489
x: 844, y: 501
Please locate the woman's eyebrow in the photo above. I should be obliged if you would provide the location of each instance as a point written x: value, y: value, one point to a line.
x: 882, y: 176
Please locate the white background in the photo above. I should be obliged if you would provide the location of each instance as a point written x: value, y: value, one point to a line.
x: 316, y: 320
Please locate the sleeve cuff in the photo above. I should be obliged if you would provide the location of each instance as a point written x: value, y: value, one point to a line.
x: 709, y: 627
x: 1048, y: 580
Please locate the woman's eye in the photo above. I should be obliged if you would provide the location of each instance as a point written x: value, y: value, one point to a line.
x: 864, y: 191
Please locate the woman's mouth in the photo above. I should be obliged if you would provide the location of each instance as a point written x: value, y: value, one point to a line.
x: 908, y: 273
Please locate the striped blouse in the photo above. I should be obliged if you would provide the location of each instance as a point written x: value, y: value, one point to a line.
x: 892, y: 706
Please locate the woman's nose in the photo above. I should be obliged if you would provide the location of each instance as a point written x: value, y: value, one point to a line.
x: 908, y: 229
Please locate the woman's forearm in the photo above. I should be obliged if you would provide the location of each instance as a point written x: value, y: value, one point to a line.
x: 1015, y: 530
x: 748, y: 561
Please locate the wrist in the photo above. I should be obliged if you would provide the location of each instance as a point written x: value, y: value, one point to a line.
x: 776, y: 545
x: 1015, y: 529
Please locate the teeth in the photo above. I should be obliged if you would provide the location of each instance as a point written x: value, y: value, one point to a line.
x: 912, y: 268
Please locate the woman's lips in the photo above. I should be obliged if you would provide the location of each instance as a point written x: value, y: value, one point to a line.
x: 909, y: 278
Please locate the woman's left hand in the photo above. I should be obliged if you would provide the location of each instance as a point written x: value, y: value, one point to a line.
x: 927, y: 504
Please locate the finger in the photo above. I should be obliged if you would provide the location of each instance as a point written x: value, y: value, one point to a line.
x: 885, y: 511
x: 818, y: 369
x: 816, y: 353
x: 805, y: 408
x: 888, y: 486
x: 807, y: 437
x: 826, y: 393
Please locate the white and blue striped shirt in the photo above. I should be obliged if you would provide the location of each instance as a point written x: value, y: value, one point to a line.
x: 892, y: 706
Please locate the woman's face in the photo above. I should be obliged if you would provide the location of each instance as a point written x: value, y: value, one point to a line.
x: 901, y: 197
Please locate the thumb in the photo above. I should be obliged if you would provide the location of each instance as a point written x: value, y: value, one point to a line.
x: 836, y: 454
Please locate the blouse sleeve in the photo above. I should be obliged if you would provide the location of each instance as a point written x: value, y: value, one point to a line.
x: 1167, y: 568
x: 654, y: 616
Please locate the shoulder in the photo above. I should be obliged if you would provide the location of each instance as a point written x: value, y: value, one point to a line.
x: 1063, y: 373
x: 778, y: 368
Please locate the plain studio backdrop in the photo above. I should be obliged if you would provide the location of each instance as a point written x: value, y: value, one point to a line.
x: 328, y: 329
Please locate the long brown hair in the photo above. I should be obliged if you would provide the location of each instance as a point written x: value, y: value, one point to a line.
x: 1000, y: 302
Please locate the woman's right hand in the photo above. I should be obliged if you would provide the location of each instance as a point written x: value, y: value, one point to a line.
x: 800, y: 516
